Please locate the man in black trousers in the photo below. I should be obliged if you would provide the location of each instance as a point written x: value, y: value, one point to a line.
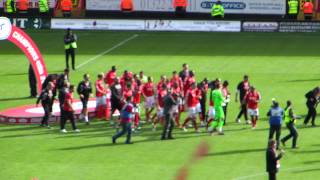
x: 169, y: 103
x: 242, y: 89
x: 70, y: 45
x: 272, y: 159
x: 46, y: 100
x: 32, y: 82
x: 312, y: 102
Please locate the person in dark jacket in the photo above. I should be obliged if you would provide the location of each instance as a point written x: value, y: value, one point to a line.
x: 272, y: 159
x: 62, y: 78
x: 168, y: 112
x: 116, y: 96
x: 46, y: 98
x: 51, y: 78
x: 275, y: 120
x: 32, y: 82
x: 312, y: 102
x: 61, y: 97
x: 85, y: 91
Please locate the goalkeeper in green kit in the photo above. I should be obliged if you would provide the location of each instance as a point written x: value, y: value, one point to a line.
x: 218, y: 100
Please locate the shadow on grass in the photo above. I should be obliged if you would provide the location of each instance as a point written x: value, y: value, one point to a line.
x: 307, y: 170
x: 307, y: 151
x: 14, y: 99
x: 236, y: 152
x: 312, y: 162
x: 303, y: 80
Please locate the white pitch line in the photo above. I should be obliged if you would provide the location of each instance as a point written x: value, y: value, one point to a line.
x: 108, y: 51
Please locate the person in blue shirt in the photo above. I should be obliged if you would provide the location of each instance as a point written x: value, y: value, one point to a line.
x: 275, y: 120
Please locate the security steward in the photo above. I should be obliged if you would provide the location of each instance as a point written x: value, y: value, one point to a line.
x: 70, y: 45
x: 66, y: 7
x: 180, y: 6
x: 293, y: 9
x: 308, y: 10
x: 43, y: 7
x: 23, y: 6
x: 126, y: 5
x: 217, y: 10
x: 290, y: 120
x: 11, y: 7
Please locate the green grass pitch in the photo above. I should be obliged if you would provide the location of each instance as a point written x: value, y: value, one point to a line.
x: 280, y: 65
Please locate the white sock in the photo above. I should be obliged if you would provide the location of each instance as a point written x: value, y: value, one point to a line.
x: 86, y: 118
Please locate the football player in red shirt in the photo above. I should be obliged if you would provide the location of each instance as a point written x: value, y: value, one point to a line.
x: 160, y: 103
x: 125, y: 78
x: 136, y: 103
x: 162, y: 81
x: 110, y: 76
x: 100, y: 96
x: 176, y: 79
x: 68, y: 111
x: 188, y: 82
x: 192, y: 101
x: 252, y: 99
x: 148, y: 93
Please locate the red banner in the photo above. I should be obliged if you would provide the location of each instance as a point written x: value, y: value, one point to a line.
x: 30, y: 49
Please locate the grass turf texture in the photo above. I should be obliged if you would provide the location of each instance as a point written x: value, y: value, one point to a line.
x: 280, y: 65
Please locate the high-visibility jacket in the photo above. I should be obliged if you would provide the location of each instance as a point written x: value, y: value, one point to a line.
x: 293, y: 6
x: 43, y: 6
x: 180, y: 3
x: 66, y: 5
x: 23, y: 5
x: 217, y: 9
x: 308, y: 8
x: 126, y: 5
x: 10, y: 6
x: 287, y: 118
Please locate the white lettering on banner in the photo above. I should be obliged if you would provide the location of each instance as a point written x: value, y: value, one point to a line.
x: 197, y: 6
x: 35, y: 57
x: 148, y: 25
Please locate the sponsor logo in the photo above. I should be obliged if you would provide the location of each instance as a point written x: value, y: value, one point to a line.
x: 5, y: 28
x: 226, y: 5
x: 260, y: 26
x: 27, y: 23
x: 23, y: 120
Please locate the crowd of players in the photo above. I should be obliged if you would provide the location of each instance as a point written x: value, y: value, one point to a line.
x: 163, y: 102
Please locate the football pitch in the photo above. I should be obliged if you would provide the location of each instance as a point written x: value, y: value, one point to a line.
x: 280, y: 65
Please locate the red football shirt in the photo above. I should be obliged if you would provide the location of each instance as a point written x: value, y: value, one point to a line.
x: 127, y: 93
x: 109, y: 77
x: 148, y: 89
x: 187, y: 85
x: 137, y: 95
x: 252, y: 99
x: 176, y: 80
x: 192, y: 98
x: 161, y: 95
x: 100, y: 90
x: 66, y: 106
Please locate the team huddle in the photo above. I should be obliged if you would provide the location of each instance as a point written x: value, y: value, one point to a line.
x: 119, y: 100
